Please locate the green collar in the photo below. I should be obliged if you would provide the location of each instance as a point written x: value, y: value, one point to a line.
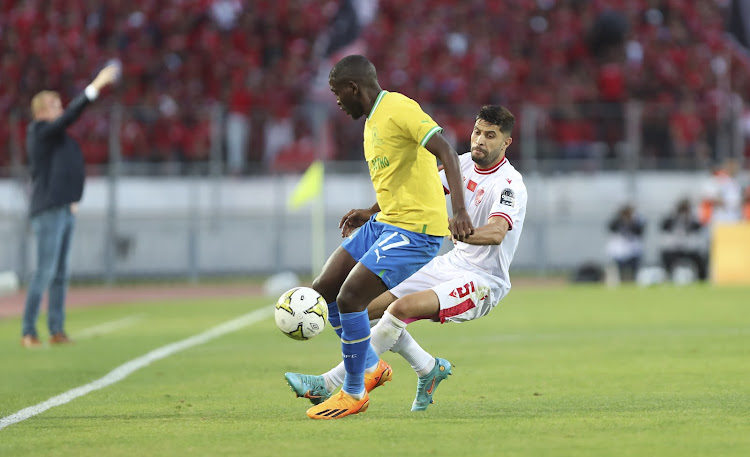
x: 377, y: 102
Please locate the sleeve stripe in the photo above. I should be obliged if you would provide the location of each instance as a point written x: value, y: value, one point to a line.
x: 427, y: 137
x: 504, y: 216
x: 445, y: 189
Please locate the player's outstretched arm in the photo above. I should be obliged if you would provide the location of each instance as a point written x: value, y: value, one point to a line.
x: 108, y: 75
x: 461, y: 225
x: 490, y: 234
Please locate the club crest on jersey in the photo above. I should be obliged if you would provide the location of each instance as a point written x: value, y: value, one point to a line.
x: 507, y: 197
x: 478, y: 196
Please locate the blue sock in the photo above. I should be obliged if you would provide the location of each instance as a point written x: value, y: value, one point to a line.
x: 372, y: 357
x: 334, y: 317
x: 355, y: 342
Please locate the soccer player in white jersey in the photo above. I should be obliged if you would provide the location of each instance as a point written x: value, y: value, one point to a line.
x: 461, y: 285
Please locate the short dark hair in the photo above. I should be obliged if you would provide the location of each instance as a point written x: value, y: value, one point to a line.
x: 353, y: 68
x: 499, y: 116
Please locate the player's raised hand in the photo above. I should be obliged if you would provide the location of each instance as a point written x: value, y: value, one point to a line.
x: 106, y: 76
x: 354, y: 219
x: 461, y: 226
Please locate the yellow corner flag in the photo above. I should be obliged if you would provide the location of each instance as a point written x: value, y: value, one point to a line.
x: 309, y: 186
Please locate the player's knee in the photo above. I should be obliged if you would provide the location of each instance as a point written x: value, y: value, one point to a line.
x: 399, y: 309
x: 347, y: 300
x: 326, y: 288
x: 44, y: 275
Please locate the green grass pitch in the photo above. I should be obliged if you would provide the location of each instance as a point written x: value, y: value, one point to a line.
x: 563, y: 371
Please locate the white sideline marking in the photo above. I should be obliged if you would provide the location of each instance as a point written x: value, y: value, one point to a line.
x: 108, y: 327
x: 124, y: 370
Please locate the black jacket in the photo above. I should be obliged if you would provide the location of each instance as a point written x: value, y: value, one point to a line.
x: 55, y: 160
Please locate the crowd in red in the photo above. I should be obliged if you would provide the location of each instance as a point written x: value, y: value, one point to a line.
x: 578, y: 60
x: 180, y: 59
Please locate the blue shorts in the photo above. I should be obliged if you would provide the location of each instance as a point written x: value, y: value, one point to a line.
x: 391, y: 252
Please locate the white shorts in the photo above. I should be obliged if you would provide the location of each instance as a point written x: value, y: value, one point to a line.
x: 464, y: 292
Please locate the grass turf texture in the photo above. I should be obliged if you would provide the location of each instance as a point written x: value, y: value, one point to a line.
x: 558, y: 371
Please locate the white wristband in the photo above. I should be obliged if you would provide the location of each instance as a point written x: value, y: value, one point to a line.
x: 91, y: 92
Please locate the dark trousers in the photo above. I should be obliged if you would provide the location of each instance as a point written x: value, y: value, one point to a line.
x: 628, y: 268
x: 671, y: 257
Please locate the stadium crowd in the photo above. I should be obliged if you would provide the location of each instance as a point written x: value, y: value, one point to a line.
x: 578, y: 60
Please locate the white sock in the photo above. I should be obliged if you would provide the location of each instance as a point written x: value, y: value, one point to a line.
x: 358, y: 396
x: 384, y: 335
x: 335, y: 377
x: 419, y: 359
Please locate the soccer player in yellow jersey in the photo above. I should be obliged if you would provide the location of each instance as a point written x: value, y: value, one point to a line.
x: 403, y: 230
x: 462, y: 285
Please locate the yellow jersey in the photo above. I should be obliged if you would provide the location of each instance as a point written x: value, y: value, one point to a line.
x: 405, y: 176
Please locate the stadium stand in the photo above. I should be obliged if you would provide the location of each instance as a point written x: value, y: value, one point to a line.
x: 578, y: 60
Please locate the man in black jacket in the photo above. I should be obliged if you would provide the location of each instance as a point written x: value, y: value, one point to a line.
x: 625, y: 245
x: 57, y: 174
x: 684, y: 241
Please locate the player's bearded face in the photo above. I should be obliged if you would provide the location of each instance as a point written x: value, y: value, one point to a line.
x: 488, y: 144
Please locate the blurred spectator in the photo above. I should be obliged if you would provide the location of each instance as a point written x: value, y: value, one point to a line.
x: 656, y: 139
x: 197, y: 139
x: 722, y: 195
x: 279, y: 133
x: 134, y: 142
x: 238, y: 126
x: 570, y: 130
x: 225, y: 12
x: 683, y: 241
x: 625, y: 245
x: 687, y: 130
x: 299, y: 154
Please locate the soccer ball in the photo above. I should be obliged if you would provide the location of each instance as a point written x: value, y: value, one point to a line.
x: 301, y: 313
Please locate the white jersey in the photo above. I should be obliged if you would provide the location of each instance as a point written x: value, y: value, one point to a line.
x: 495, y: 192
x: 726, y: 189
